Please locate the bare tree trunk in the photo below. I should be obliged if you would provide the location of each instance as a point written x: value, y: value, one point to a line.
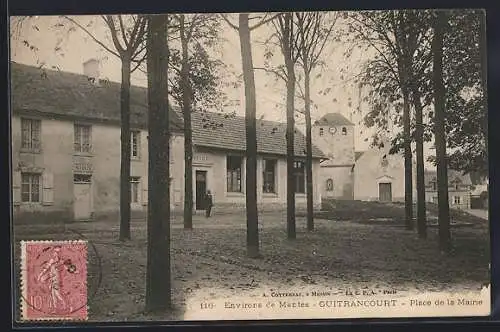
x: 158, y: 283
x: 421, y: 211
x: 404, y: 68
x: 290, y: 125
x: 188, y: 135
x: 125, y: 190
x: 251, y: 138
x: 440, y: 134
x: 309, y: 164
x: 408, y: 161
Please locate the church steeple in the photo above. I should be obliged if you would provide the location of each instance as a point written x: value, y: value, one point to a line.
x: 334, y: 134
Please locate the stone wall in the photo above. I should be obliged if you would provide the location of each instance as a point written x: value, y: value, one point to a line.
x: 336, y: 146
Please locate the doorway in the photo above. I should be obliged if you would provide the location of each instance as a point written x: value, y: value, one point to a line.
x: 385, y: 192
x: 82, y: 184
x: 201, y: 189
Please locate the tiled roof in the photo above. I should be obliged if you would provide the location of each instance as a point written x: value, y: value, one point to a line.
x: 334, y: 119
x: 431, y: 176
x: 224, y: 131
x: 58, y: 93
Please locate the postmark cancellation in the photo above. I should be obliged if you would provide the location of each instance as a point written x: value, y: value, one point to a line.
x: 54, y: 280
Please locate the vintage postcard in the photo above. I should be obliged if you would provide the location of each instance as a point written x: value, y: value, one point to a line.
x: 249, y: 166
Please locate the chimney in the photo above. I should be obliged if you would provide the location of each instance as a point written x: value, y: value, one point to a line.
x: 91, y: 70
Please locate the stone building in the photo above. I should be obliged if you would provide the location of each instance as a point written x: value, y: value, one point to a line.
x: 66, y: 151
x: 371, y: 175
x: 459, y: 189
x: 374, y: 174
x: 380, y: 176
x: 334, y: 135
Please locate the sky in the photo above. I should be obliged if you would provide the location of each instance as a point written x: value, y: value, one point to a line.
x: 75, y: 47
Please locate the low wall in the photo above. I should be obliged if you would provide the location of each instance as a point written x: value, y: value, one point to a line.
x: 134, y: 214
x: 229, y: 208
x: 41, y: 217
x: 66, y: 216
x: 376, y: 199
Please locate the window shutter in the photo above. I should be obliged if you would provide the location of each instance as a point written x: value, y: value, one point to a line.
x: 48, y: 188
x: 16, y: 187
x: 144, y: 192
x: 139, y: 145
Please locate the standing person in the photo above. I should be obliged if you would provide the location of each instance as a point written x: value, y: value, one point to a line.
x: 208, y: 203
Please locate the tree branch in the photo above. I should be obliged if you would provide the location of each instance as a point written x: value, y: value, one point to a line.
x: 272, y: 71
x: 235, y: 27
x: 108, y: 19
x: 138, y: 63
x: 124, y: 34
x: 138, y: 51
x: 377, y: 49
x: 315, y: 58
x: 192, y: 25
x: 92, y: 36
x: 264, y: 21
x: 138, y: 33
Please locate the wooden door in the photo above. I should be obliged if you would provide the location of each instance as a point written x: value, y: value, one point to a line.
x: 82, y: 197
x: 201, y: 189
x: 385, y: 192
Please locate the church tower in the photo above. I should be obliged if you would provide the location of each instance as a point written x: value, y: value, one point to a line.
x: 334, y: 135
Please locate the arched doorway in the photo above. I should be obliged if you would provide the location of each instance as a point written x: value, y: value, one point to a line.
x: 329, y: 188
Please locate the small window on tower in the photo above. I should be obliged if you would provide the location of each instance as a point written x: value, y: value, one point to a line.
x: 344, y: 131
x: 321, y: 131
x: 329, y: 185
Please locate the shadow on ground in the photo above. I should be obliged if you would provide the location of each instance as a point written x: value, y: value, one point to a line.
x: 213, y: 256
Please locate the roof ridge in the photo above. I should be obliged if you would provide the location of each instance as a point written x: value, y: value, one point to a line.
x: 70, y: 95
x: 65, y: 72
x: 334, y: 118
x: 237, y: 116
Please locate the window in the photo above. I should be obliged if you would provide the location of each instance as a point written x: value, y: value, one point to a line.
x: 384, y: 163
x: 134, y: 189
x: 233, y: 165
x: 344, y: 131
x: 30, y: 187
x: 82, y: 178
x: 30, y: 133
x: 82, y: 138
x: 329, y: 185
x: 434, y: 199
x: 298, y: 173
x: 135, y: 144
x: 269, y: 185
x: 456, y: 200
x: 321, y: 131
x: 434, y: 185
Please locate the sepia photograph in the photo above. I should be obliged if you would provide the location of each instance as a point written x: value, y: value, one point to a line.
x: 249, y: 166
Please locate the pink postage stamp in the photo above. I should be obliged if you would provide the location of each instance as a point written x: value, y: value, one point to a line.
x: 53, y: 280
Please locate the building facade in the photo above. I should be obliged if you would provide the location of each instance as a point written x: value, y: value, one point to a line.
x: 70, y: 169
x: 380, y: 176
x: 374, y: 174
x: 66, y: 146
x: 459, y: 189
x: 219, y: 163
x: 66, y: 151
